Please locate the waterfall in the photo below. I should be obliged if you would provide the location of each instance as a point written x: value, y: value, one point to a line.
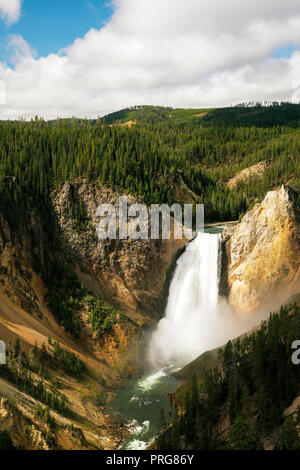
x: 192, y: 321
x: 195, y: 321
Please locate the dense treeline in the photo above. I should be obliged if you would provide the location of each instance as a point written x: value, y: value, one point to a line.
x: 69, y: 362
x: 256, y: 382
x: 153, y: 157
x: 54, y: 356
x: 103, y: 316
x: 251, y: 114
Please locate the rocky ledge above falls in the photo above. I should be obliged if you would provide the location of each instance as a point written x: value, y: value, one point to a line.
x: 261, y: 255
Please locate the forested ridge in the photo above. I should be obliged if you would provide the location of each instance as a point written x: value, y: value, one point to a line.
x: 201, y: 148
x: 254, y: 384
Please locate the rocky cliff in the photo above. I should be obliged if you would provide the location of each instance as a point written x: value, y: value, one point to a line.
x: 24, y: 433
x: 133, y: 275
x: 261, y: 259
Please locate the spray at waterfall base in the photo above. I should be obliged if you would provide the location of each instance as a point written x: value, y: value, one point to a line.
x: 197, y: 319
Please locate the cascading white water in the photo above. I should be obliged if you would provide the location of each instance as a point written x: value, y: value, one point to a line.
x: 191, y: 324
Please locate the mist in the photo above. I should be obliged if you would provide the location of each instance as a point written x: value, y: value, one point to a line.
x: 196, y: 318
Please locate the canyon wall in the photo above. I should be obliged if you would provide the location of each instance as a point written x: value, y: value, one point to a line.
x: 261, y: 255
x: 133, y: 275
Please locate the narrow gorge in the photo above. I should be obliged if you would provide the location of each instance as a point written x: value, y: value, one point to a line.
x: 206, y: 292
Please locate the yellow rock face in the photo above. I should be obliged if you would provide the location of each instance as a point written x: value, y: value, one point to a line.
x: 264, y: 253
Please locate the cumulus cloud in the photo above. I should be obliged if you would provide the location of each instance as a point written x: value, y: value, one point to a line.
x: 10, y: 10
x: 167, y: 52
x: 18, y: 49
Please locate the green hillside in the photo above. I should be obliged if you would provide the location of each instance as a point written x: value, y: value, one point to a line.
x: 167, y: 156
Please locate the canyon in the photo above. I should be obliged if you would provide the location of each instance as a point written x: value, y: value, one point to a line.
x: 260, y: 270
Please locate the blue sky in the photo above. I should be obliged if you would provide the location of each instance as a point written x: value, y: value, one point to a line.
x: 285, y: 51
x: 49, y: 25
x: 180, y: 53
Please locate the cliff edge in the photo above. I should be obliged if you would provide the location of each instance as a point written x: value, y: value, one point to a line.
x: 261, y: 255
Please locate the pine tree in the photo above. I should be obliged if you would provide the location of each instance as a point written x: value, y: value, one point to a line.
x: 289, y: 436
x: 242, y: 436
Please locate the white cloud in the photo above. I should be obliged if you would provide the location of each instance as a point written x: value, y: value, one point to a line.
x: 10, y: 10
x: 168, y: 52
x: 18, y: 49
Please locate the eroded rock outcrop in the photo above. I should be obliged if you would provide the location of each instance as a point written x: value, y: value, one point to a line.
x: 133, y: 275
x: 261, y: 261
x: 23, y: 432
x: 255, y: 170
